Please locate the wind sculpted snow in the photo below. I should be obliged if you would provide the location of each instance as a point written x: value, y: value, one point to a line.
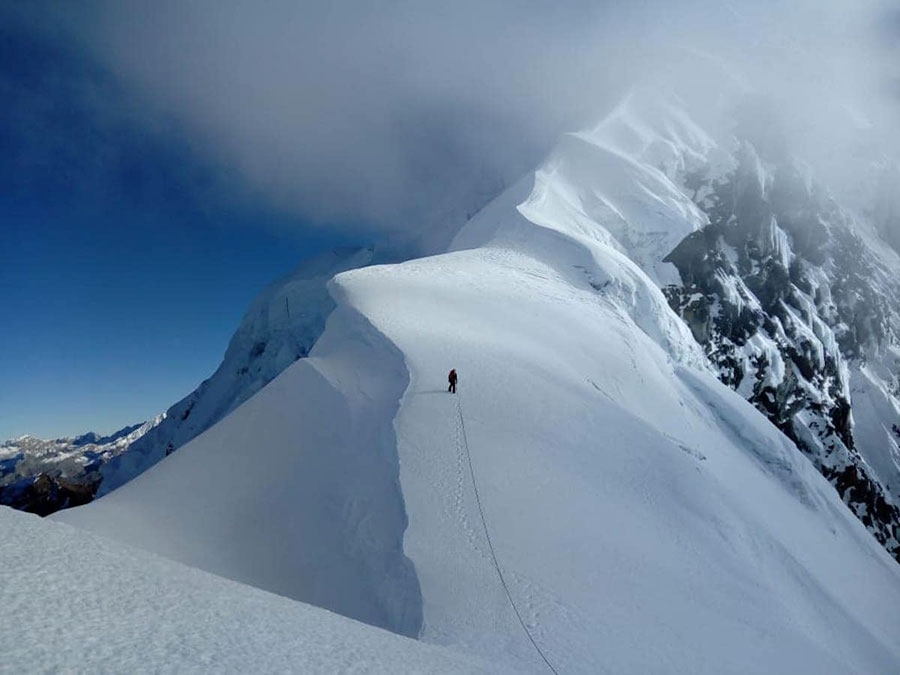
x: 644, y: 517
x: 281, y: 326
x: 295, y: 492
x: 636, y: 528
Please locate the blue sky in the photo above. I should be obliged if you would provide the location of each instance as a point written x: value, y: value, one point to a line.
x: 110, y: 318
x: 125, y: 262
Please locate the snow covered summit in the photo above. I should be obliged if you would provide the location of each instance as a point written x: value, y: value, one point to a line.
x: 594, y: 499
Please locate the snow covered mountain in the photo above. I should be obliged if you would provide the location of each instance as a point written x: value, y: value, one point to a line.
x: 43, y: 476
x: 596, y: 498
x: 795, y: 302
x: 280, y: 327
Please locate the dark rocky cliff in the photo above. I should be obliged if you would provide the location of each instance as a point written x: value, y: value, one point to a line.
x: 788, y: 300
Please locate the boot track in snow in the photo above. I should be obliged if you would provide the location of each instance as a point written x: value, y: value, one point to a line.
x: 490, y: 543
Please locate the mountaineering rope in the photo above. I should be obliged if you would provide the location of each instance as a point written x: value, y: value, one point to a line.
x: 490, y: 543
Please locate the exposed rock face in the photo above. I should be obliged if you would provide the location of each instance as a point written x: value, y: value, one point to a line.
x: 43, y: 476
x: 45, y: 494
x: 789, y: 301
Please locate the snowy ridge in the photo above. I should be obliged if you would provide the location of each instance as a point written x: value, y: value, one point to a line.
x: 644, y: 516
x: 258, y: 500
x: 280, y: 327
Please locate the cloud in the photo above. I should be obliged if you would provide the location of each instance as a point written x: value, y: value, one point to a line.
x: 358, y: 112
x: 70, y: 136
x: 393, y: 115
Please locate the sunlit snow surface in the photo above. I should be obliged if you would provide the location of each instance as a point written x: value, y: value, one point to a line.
x: 74, y: 602
x: 645, y: 517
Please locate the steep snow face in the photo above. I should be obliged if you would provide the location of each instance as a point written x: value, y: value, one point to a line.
x: 640, y: 512
x: 593, y: 498
x: 280, y: 327
x: 614, y: 186
x: 795, y: 303
x: 76, y: 602
x: 295, y: 492
x: 875, y: 391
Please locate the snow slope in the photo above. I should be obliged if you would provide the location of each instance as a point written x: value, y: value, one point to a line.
x: 876, y: 413
x: 295, y: 492
x: 645, y: 515
x: 632, y: 513
x: 281, y: 326
x: 794, y: 299
x: 78, y: 603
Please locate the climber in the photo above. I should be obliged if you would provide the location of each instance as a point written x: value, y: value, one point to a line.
x: 451, y: 378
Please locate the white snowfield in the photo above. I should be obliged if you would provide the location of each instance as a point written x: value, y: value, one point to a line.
x: 644, y: 517
x: 874, y: 404
x: 75, y: 602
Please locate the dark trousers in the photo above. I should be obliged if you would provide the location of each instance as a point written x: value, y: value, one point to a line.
x: 452, y: 387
